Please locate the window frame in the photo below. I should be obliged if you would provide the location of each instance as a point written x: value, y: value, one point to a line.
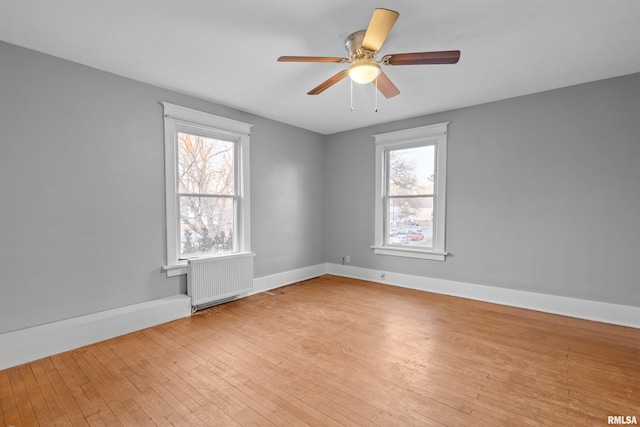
x: 178, y: 119
x: 435, y: 135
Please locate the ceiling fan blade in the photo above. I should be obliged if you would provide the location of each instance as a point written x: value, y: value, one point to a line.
x: 420, y: 58
x: 328, y: 83
x: 379, y: 28
x: 386, y: 86
x: 311, y: 59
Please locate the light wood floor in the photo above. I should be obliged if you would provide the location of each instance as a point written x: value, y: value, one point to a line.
x: 336, y: 351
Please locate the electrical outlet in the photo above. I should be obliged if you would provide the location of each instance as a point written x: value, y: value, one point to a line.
x: 347, y: 259
x: 383, y: 276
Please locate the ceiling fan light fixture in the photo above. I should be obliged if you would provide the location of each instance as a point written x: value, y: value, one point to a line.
x: 364, y: 72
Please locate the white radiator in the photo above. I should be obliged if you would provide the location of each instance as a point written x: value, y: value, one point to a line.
x: 212, y: 280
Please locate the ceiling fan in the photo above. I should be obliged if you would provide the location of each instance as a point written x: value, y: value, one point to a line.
x: 363, y: 47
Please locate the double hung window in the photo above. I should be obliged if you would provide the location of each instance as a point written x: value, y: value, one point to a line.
x: 411, y: 192
x: 207, y: 188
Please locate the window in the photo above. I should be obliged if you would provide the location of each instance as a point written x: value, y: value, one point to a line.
x: 207, y: 187
x: 411, y: 192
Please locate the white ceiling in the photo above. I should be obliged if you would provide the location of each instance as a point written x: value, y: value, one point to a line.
x: 226, y: 51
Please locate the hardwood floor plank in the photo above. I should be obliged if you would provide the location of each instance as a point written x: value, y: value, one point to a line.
x: 62, y: 362
x: 57, y: 410
x: 307, y: 414
x: 335, y: 351
x: 69, y: 405
x: 35, y: 395
x: 153, y: 399
x: 96, y: 420
x: 174, y: 391
x: 10, y: 413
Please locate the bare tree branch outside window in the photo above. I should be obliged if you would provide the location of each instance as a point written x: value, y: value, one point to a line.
x: 206, y: 184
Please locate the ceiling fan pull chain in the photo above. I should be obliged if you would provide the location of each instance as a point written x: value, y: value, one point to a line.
x: 375, y: 89
x: 351, y: 95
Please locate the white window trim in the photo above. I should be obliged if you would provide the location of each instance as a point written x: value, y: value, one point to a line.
x: 176, y: 117
x: 407, y: 138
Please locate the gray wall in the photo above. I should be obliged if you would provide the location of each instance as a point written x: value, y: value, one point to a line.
x: 82, y: 190
x: 543, y: 194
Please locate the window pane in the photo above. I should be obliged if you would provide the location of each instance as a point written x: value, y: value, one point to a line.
x: 206, y: 225
x: 411, y: 171
x: 205, y: 165
x: 410, y: 222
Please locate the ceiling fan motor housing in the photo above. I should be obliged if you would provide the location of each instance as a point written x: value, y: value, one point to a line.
x: 353, y: 43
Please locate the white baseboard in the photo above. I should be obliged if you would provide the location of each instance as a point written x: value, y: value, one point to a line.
x: 277, y: 280
x: 30, y: 344
x: 26, y: 345
x: 572, y: 307
x: 34, y: 343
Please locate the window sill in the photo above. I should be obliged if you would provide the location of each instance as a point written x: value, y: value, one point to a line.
x: 175, y: 270
x: 409, y: 253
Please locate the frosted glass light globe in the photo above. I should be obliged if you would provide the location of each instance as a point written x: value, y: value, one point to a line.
x: 364, y: 72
